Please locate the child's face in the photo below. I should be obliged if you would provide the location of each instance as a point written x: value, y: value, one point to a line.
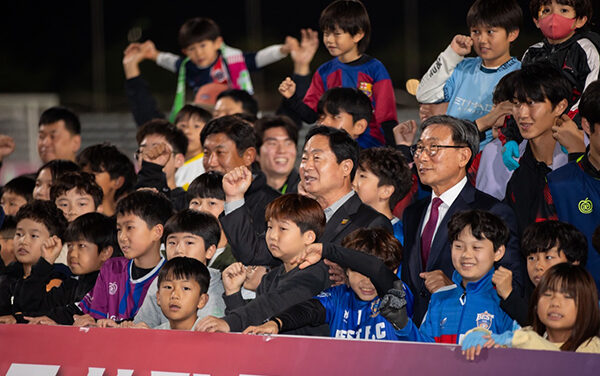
x: 43, y: 182
x: 473, y: 258
x: 342, y: 44
x: 366, y: 186
x: 277, y: 152
x: 135, y: 238
x: 227, y: 106
x: 109, y: 186
x: 83, y: 257
x: 191, y: 127
x: 538, y: 263
x: 12, y: 202
x: 210, y: 205
x: 180, y: 299
x: 545, y: 21
x: 492, y: 44
x: 203, y: 53
x: 186, y: 244
x: 7, y: 248
x: 285, y: 240
x: 74, y: 203
x: 535, y: 119
x: 342, y: 120
x: 254, y: 274
x: 558, y: 311
x: 28, y: 240
x: 361, y: 285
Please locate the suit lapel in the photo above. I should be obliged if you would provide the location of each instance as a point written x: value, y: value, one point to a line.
x: 341, y: 219
x: 414, y: 255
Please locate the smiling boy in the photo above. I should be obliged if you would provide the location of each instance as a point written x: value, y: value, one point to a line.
x: 467, y: 84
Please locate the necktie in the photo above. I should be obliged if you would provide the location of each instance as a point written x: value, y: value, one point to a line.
x: 429, y: 230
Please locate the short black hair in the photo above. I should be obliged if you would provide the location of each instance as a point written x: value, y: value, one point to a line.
x: 390, y: 167
x: 152, y: 207
x: 46, y: 213
x: 504, y: 90
x: 482, y: 223
x: 540, y: 81
x: 191, y: 110
x: 463, y: 133
x: 347, y: 99
x: 541, y: 236
x: 304, y: 211
x: 107, y: 158
x: 186, y: 268
x: 175, y: 137
x: 583, y: 8
x: 8, y: 226
x: 236, y: 129
x: 207, y: 185
x: 21, y: 186
x: 201, y: 224
x: 351, y: 17
x: 589, y: 104
x: 58, y: 167
x: 54, y: 114
x: 82, y: 181
x: 249, y: 104
x: 340, y: 142
x: 280, y: 121
x: 95, y: 228
x: 506, y: 14
x: 197, y: 30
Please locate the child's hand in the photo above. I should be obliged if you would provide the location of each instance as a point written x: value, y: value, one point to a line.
x: 41, y: 320
x: 51, y: 249
x: 106, y: 323
x: 461, y: 44
x: 303, y: 53
x: 287, y: 88
x: 499, y: 111
x: 158, y: 153
x: 565, y: 131
x: 212, y: 324
x: 236, y: 182
x: 7, y: 146
x: 435, y: 280
x: 502, y: 278
x: 404, y: 133
x: 146, y: 50
x: 510, y: 155
x: 131, y: 324
x: 393, y: 306
x: 310, y: 256
x: 270, y: 327
x: 337, y: 275
x: 8, y: 319
x: 83, y: 320
x: 233, y: 278
x: 289, y: 44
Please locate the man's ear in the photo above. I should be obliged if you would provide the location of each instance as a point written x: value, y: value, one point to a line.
x: 76, y: 142
x: 360, y: 127
x: 249, y: 156
x: 210, y: 252
x: 464, y: 154
x: 309, y: 237
x: 106, y: 253
x: 499, y: 253
x: 347, y: 166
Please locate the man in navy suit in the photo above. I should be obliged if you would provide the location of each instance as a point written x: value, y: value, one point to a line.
x: 442, y: 157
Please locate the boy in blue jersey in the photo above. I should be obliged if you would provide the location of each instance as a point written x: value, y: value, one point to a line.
x: 351, y: 311
x: 468, y: 84
x: 124, y: 281
x: 346, y: 31
x: 478, y: 239
x: 382, y: 180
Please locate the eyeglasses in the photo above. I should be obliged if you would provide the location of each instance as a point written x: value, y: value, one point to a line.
x: 431, y: 150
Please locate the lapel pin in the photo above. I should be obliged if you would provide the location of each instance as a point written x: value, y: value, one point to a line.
x: 345, y: 220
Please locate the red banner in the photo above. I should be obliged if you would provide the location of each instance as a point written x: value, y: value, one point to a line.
x: 52, y: 350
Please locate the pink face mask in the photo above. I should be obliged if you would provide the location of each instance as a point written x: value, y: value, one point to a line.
x: 556, y: 26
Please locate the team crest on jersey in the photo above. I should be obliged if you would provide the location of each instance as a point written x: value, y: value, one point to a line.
x: 366, y: 87
x: 375, y: 308
x: 484, y: 320
x: 585, y: 206
x: 112, y: 288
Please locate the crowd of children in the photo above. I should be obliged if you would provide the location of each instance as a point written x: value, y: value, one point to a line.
x: 214, y: 229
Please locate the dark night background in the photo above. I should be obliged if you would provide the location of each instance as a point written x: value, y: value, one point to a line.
x: 48, y: 46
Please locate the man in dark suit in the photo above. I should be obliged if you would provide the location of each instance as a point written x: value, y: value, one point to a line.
x: 442, y: 157
x: 329, y: 163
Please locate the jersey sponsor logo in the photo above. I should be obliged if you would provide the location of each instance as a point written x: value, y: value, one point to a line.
x: 365, y: 332
x: 112, y: 288
x: 585, y: 206
x: 366, y: 87
x: 346, y: 315
x: 484, y: 320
